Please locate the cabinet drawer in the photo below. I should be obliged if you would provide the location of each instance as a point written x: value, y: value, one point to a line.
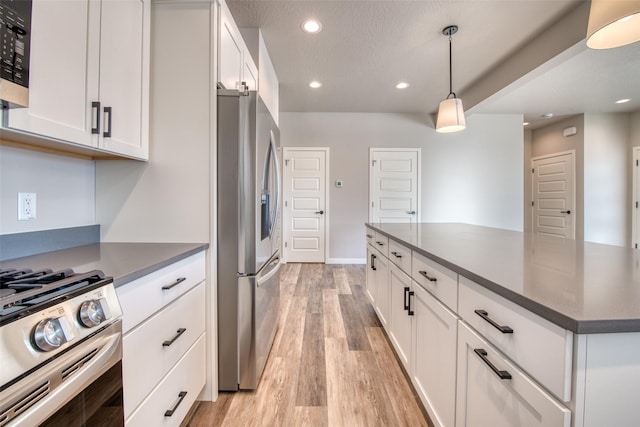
x: 539, y: 347
x: 371, y: 236
x: 148, y: 350
x: 145, y: 296
x: 439, y: 280
x: 400, y: 255
x: 485, y: 399
x: 188, y: 376
x: 381, y: 242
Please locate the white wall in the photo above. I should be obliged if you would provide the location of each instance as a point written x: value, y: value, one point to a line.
x: 474, y: 176
x: 607, y: 163
x: 65, y: 189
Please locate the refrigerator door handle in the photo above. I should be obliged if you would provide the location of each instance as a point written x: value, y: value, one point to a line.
x: 271, y: 273
x: 274, y: 223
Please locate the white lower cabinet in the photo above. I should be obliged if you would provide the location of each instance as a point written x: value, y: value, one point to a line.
x: 435, y: 334
x: 383, y: 294
x: 170, y: 401
x: 401, y: 321
x: 371, y: 284
x: 163, y: 349
x: 492, y: 391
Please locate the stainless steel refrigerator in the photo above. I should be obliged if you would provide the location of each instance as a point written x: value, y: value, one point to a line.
x: 248, y: 229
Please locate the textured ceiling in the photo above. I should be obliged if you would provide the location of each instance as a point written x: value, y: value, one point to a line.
x: 366, y: 47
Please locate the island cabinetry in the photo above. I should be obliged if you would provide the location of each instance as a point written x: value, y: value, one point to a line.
x: 402, y: 314
x: 441, y: 282
x: 163, y: 360
x: 539, y: 347
x: 89, y: 78
x: 494, y: 391
x: 434, y: 341
x: 377, y: 285
x: 400, y: 255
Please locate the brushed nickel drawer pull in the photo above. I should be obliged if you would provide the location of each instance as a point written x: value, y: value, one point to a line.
x: 179, y: 332
x: 485, y: 316
x: 174, y: 284
x: 482, y: 354
x: 169, y: 412
x: 426, y: 276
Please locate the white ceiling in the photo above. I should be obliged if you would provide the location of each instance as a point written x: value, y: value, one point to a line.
x: 366, y: 47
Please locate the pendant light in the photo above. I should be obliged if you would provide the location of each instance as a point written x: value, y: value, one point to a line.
x: 450, y: 113
x: 613, y: 23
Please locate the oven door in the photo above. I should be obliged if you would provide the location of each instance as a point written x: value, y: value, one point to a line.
x: 81, y: 387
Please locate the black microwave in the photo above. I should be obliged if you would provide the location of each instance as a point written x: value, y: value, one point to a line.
x: 15, y: 45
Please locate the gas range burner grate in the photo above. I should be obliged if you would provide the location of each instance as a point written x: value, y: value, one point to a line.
x: 22, y: 290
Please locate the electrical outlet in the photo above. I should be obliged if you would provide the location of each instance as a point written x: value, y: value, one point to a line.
x: 26, y: 206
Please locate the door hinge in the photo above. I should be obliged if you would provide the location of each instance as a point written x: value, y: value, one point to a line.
x: 532, y: 170
x: 286, y: 162
x: 285, y: 244
x: 532, y: 204
x: 636, y: 205
x: 636, y: 162
x: 636, y: 245
x: 373, y: 163
x: 371, y: 204
x: 285, y: 204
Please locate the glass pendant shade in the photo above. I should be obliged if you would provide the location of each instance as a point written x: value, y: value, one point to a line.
x: 613, y: 23
x: 450, y: 116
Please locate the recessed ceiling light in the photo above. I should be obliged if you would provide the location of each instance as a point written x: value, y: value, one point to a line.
x: 525, y: 124
x: 311, y: 26
x: 622, y: 101
x: 402, y: 85
x: 547, y: 116
x: 315, y: 84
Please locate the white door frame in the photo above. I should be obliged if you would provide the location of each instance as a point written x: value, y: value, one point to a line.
x: 573, y: 202
x: 419, y: 179
x: 635, y: 211
x: 285, y: 216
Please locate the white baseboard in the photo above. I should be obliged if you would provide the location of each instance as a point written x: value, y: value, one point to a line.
x: 347, y: 261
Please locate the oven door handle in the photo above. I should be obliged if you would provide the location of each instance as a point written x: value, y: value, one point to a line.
x: 70, y: 373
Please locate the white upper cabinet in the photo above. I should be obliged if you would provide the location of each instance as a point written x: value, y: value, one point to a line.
x: 90, y: 75
x: 235, y: 64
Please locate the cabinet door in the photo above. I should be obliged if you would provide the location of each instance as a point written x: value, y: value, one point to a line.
x: 230, y: 51
x: 63, y: 71
x: 372, y: 258
x: 124, y: 77
x: 485, y: 399
x: 250, y: 72
x: 435, y: 334
x: 401, y: 314
x: 383, y: 288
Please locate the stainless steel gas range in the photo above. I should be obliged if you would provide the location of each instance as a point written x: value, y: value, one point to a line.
x: 60, y: 349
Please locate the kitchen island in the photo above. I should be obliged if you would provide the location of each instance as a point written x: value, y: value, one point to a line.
x: 544, y: 331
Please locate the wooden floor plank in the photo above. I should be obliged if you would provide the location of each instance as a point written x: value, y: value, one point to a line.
x: 333, y: 324
x: 354, y: 329
x: 312, y: 389
x: 341, y: 280
x: 289, y: 344
x: 368, y: 314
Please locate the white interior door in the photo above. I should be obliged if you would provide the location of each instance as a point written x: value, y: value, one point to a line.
x: 394, y: 181
x: 554, y: 195
x: 305, y: 204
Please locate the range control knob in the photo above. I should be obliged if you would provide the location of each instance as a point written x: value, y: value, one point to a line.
x: 94, y: 312
x: 51, y: 333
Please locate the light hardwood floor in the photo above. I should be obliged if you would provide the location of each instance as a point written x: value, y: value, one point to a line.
x: 331, y: 363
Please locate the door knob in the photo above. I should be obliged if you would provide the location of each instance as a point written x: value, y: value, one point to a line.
x: 320, y: 212
x: 411, y: 212
x: 567, y: 212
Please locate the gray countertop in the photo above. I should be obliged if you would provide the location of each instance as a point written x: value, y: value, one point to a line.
x: 581, y: 286
x: 125, y: 262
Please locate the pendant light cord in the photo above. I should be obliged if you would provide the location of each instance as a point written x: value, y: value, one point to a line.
x: 450, y: 72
